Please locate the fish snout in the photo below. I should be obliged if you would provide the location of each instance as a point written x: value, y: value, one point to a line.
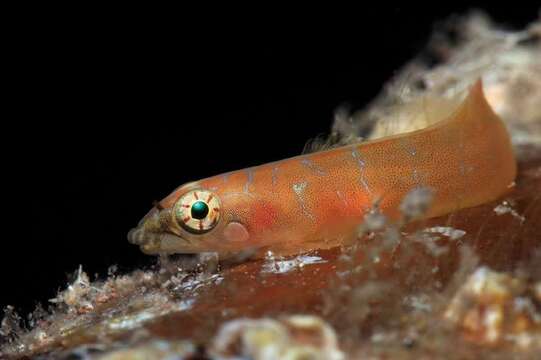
x: 136, y: 236
x: 154, y: 234
x: 144, y: 234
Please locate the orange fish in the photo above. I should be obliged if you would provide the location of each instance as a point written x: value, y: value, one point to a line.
x: 317, y: 200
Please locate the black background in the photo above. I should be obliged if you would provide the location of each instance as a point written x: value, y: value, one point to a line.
x: 114, y: 109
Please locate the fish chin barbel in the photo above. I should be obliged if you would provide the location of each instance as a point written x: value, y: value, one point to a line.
x: 317, y: 200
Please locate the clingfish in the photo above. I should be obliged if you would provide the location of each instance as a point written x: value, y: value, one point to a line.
x: 317, y: 200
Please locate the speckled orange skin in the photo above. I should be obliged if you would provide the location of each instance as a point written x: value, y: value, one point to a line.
x: 317, y: 200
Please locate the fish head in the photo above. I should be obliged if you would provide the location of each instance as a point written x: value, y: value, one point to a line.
x: 199, y: 217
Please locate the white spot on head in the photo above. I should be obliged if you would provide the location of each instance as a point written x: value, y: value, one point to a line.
x: 274, y: 175
x: 309, y: 164
x: 249, y: 180
x: 299, y: 188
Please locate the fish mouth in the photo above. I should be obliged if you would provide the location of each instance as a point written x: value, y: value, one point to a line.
x: 153, y: 236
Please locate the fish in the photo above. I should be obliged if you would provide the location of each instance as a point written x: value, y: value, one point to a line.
x: 317, y: 200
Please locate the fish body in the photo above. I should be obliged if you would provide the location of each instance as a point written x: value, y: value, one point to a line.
x: 317, y: 200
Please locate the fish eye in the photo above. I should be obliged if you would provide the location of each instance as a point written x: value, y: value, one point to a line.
x: 197, y: 211
x: 200, y: 210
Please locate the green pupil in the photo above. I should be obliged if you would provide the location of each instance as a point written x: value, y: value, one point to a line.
x: 200, y: 210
